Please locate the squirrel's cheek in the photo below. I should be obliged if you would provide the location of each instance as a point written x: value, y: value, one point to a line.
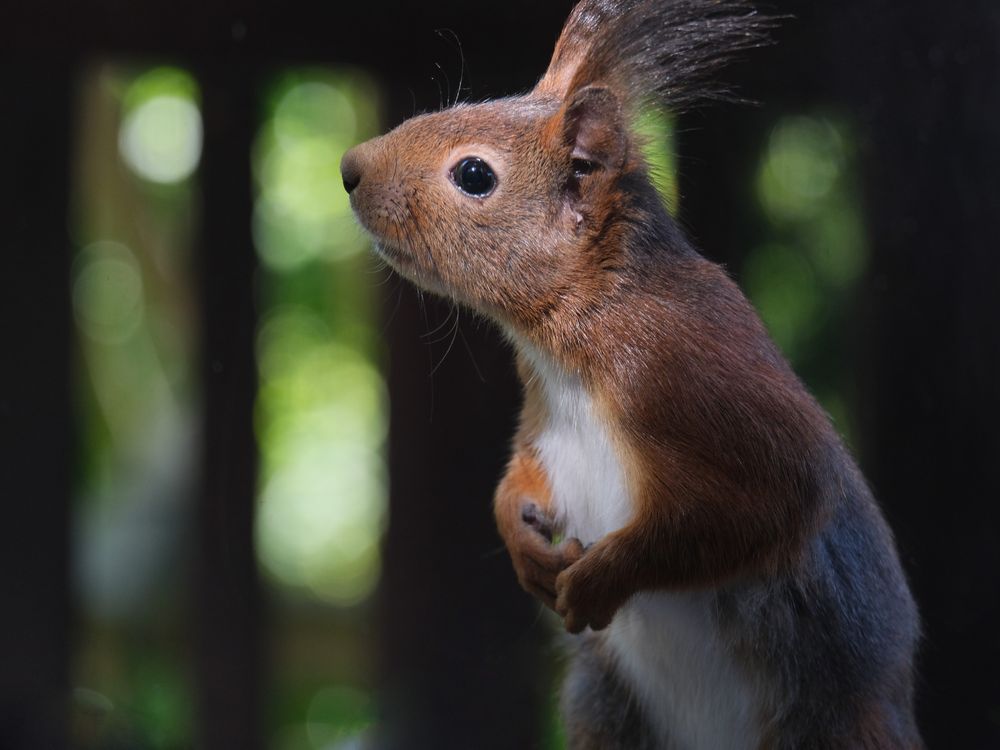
x: 569, y: 220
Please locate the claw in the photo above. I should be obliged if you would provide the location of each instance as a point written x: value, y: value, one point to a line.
x: 574, y: 624
x: 532, y: 515
x: 572, y: 549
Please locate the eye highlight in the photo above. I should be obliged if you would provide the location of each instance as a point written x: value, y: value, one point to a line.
x: 474, y: 176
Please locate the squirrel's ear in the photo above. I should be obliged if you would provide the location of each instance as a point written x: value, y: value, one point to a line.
x: 593, y: 127
x: 568, y: 67
x: 571, y: 65
x: 559, y: 77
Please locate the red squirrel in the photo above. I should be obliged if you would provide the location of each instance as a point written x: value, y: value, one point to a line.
x: 675, y: 494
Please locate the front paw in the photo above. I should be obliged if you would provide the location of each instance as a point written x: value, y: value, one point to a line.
x: 581, y: 602
x: 533, y: 517
x: 536, y: 560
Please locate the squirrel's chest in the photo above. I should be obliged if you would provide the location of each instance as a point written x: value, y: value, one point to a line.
x: 668, y: 648
x: 585, y: 472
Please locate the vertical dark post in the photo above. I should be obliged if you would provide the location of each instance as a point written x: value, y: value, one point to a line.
x: 35, y: 410
x: 228, y: 607
x: 924, y: 85
x: 460, y: 659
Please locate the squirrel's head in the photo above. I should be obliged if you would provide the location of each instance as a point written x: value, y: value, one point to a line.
x: 515, y: 207
x: 495, y: 204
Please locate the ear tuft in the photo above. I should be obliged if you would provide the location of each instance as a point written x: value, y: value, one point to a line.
x: 594, y: 128
x: 663, y: 51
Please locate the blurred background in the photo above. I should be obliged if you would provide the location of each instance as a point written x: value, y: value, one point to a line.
x: 248, y: 471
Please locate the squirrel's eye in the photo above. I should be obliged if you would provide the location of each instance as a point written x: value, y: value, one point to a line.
x: 583, y: 167
x: 474, y: 176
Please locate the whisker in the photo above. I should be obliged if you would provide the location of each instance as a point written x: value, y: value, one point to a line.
x: 440, y: 92
x: 472, y: 357
x: 461, y: 57
x: 454, y: 335
x: 441, y: 325
x: 447, y: 81
x: 395, y: 308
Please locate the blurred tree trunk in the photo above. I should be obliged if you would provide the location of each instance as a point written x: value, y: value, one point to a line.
x: 35, y: 408
x: 461, y: 666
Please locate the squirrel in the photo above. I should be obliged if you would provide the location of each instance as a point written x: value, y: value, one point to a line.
x: 674, y: 493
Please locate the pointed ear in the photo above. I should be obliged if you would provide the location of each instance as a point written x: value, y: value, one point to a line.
x: 593, y: 128
x: 568, y: 67
x: 561, y: 72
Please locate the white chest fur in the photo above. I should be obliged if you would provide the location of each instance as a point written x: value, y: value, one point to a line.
x: 667, y: 645
x: 669, y: 649
x: 585, y: 474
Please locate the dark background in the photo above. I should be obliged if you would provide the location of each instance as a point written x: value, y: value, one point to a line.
x: 460, y: 649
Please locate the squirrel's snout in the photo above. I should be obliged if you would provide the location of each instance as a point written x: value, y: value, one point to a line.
x: 350, y: 170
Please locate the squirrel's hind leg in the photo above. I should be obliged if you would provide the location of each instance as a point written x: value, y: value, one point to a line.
x: 598, y: 710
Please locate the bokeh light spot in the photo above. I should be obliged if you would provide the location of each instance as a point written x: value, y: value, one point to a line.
x: 314, y: 109
x: 803, y: 161
x: 161, y: 140
x: 107, y: 292
x: 335, y: 713
x: 161, y: 135
x: 784, y: 288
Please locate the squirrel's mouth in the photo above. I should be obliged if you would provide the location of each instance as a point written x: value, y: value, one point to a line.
x: 407, y: 266
x: 390, y: 253
x: 398, y: 243
x: 383, y: 222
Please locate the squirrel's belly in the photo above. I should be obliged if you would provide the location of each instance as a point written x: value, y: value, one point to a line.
x: 694, y: 693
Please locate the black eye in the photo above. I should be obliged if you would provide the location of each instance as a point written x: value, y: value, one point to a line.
x: 474, y: 176
x: 583, y: 167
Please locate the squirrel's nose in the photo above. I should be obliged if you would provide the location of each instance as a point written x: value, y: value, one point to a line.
x: 350, y: 170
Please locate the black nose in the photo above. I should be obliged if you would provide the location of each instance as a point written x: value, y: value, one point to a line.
x: 350, y: 170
